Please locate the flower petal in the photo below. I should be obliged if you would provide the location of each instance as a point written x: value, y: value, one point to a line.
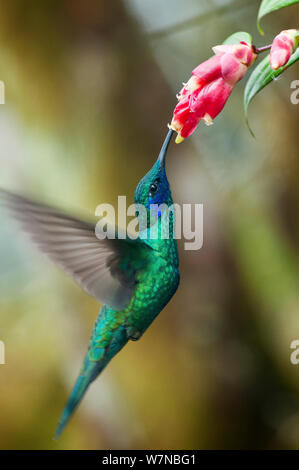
x: 190, y: 125
x: 283, y: 46
x: 232, y: 69
x: 206, y: 92
x: 211, y: 99
x: 209, y: 69
x: 180, y: 114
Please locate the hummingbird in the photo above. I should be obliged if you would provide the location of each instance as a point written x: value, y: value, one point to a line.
x: 132, y: 279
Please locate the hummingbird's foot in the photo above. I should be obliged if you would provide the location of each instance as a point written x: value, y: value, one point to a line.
x: 133, y: 334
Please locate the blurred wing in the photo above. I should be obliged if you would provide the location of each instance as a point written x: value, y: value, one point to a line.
x: 73, y: 245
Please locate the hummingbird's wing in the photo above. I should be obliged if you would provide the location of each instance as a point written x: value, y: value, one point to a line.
x: 95, y: 264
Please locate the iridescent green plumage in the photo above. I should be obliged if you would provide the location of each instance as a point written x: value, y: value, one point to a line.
x: 140, y: 275
x: 157, y: 280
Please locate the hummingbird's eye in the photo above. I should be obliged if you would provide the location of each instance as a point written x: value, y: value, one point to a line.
x: 153, y: 188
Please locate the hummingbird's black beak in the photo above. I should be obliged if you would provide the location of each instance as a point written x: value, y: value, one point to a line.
x: 163, y: 151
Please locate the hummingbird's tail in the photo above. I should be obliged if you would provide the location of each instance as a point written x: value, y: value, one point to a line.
x: 105, y: 342
x: 78, y: 392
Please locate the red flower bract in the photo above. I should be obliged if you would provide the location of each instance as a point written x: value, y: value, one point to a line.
x: 283, y: 46
x: 205, y: 94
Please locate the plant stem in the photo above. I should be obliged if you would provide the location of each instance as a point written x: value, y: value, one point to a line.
x: 258, y: 50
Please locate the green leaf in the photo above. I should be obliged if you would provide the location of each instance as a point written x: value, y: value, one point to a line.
x: 238, y: 37
x: 271, y: 5
x: 262, y: 75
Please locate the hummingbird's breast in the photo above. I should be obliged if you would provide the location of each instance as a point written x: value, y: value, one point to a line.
x: 155, y: 287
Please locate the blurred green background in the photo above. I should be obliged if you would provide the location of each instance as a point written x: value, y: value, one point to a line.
x: 90, y: 87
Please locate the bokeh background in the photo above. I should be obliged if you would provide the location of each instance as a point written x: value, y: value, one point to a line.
x: 90, y: 87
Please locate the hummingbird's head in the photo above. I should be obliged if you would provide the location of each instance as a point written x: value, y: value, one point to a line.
x: 154, y: 186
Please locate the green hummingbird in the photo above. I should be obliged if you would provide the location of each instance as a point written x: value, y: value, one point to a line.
x: 133, y: 279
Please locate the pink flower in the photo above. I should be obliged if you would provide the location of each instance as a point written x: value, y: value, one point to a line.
x: 205, y: 94
x: 283, y: 46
